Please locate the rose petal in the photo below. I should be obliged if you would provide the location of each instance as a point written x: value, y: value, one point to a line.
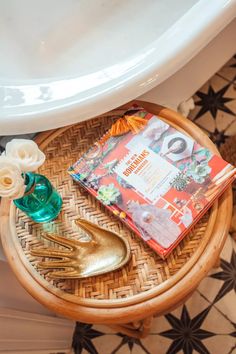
x: 26, y: 153
x: 11, y: 181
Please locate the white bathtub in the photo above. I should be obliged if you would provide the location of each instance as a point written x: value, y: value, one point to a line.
x: 64, y: 61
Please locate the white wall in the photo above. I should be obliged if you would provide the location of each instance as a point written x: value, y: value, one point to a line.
x: 13, y: 295
x: 22, y: 331
x: 27, y: 325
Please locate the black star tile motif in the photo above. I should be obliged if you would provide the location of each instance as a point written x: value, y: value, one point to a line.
x: 233, y: 65
x: 213, y: 101
x: 126, y: 340
x: 218, y: 137
x: 228, y: 275
x: 186, y: 333
x: 82, y: 338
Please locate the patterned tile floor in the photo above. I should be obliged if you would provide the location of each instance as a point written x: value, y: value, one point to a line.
x: 207, y: 322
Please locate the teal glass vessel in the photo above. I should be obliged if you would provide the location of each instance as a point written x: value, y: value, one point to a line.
x: 41, y: 202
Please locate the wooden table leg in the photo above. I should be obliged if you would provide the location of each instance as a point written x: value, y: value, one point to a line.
x: 138, y: 329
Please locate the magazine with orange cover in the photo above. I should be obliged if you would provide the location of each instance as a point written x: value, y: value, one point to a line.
x: 158, y: 180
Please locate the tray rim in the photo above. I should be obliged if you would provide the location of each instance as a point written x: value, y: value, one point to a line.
x: 166, y: 286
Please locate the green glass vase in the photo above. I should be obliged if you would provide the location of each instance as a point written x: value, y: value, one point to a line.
x: 41, y: 202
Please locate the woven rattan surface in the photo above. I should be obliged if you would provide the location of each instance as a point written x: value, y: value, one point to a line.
x: 145, y: 275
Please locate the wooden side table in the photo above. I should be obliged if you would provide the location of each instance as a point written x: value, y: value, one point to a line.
x: 147, y: 285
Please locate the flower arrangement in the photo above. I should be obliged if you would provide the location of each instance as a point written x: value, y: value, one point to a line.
x: 21, y: 156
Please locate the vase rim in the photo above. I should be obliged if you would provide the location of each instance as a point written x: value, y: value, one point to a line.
x: 29, y: 182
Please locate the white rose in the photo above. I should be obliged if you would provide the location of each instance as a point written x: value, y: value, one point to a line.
x: 11, y: 181
x: 26, y: 153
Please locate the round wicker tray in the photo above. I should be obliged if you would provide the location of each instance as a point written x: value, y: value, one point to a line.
x: 146, y: 282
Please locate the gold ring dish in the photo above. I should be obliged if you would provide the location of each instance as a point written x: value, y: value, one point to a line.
x: 104, y: 251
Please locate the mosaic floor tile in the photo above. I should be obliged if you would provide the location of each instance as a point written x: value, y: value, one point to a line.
x: 228, y: 71
x: 199, y: 322
x: 220, y: 285
x: 215, y: 109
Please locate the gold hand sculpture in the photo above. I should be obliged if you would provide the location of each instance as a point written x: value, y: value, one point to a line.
x: 104, y: 252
